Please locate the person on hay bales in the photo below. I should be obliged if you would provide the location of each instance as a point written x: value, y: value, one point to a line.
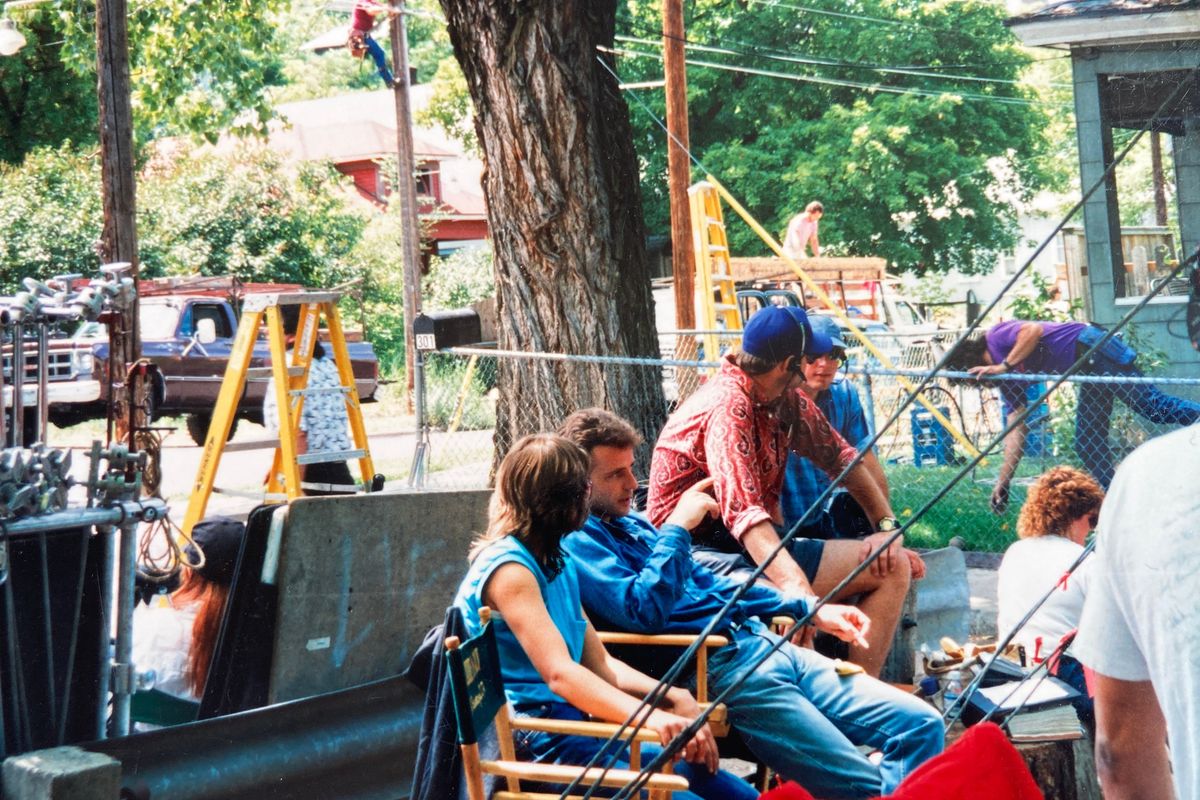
x: 360, y: 41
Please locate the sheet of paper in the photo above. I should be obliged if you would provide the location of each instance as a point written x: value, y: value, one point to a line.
x: 1032, y: 693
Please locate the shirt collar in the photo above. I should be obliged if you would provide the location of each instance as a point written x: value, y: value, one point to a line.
x: 735, y: 374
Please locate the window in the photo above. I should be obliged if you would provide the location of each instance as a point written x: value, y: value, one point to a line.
x: 426, y: 181
x: 1147, y: 202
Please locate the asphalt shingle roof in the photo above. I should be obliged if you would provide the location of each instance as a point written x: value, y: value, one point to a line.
x: 1100, y: 8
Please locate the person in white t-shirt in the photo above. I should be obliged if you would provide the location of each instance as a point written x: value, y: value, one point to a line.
x: 802, y: 232
x: 1059, y: 512
x: 1140, y: 630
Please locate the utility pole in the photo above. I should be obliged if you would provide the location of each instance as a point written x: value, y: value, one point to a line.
x: 410, y: 224
x: 118, y: 240
x: 678, y: 170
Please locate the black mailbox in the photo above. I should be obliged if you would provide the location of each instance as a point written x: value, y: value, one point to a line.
x: 441, y: 329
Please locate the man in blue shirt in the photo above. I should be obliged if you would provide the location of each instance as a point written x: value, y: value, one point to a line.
x: 803, y: 482
x: 795, y: 711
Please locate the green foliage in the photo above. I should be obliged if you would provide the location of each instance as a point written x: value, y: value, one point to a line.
x: 450, y: 394
x: 42, y: 102
x: 196, y: 66
x: 378, y: 259
x: 248, y: 215
x: 460, y: 279
x: 50, y: 215
x: 241, y: 214
x: 929, y: 181
x: 1039, y: 301
x: 450, y: 106
x: 310, y: 75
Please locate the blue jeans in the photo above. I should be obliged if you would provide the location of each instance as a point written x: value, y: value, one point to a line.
x: 376, y: 53
x: 1071, y: 671
x: 556, y: 748
x: 1095, y: 412
x: 805, y: 721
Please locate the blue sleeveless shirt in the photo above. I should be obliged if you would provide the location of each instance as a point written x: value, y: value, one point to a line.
x: 522, y: 683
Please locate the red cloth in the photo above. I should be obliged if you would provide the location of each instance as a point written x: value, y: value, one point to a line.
x: 723, y: 430
x: 982, y: 765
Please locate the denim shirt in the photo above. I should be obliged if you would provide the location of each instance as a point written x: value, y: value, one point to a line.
x: 522, y: 683
x: 803, y: 481
x: 635, y: 578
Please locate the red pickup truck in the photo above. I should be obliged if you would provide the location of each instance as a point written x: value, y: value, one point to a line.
x: 188, y: 334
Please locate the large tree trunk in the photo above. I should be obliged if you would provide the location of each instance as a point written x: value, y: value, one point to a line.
x: 564, y: 209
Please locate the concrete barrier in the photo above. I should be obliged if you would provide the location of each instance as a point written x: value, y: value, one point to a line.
x: 943, y: 598
x: 361, y: 579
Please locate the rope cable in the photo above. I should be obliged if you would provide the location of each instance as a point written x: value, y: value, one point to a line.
x: 673, y: 747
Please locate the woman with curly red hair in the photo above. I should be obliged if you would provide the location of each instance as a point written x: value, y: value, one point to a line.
x: 1061, y: 509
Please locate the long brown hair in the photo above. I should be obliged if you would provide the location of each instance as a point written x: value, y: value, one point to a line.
x: 541, y: 495
x: 211, y: 598
x: 1056, y: 499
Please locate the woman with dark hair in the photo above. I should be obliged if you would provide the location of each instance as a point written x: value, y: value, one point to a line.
x: 553, y: 663
x: 1060, y: 510
x: 174, y: 635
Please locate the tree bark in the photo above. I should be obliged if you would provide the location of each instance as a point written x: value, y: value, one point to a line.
x: 564, y: 209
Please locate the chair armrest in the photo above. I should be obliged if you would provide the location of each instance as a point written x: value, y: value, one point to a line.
x: 564, y: 774
x: 667, y: 639
x: 596, y: 730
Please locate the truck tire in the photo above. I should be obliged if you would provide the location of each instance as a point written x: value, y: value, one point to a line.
x: 197, y: 427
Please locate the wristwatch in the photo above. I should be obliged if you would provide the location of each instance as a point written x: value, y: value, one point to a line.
x: 1007, y: 366
x: 887, y: 525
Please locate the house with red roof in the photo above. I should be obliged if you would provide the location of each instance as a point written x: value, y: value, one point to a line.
x: 357, y: 133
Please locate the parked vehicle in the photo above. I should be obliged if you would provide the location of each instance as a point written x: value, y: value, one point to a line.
x: 188, y: 335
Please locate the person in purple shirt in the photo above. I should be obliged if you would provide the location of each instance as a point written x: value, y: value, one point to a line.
x: 1052, y: 347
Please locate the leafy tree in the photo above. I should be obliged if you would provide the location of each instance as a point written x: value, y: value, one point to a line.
x: 241, y: 214
x: 50, y: 214
x: 41, y: 101
x: 197, y: 66
x: 926, y: 170
x: 247, y: 214
x: 459, y: 279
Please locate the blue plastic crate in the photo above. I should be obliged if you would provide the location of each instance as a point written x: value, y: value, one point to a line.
x: 933, y: 446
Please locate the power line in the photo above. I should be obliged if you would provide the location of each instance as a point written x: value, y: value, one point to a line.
x: 840, y: 14
x: 870, y: 87
x: 791, y: 58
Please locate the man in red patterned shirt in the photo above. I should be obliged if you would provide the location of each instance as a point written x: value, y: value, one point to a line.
x: 738, y: 429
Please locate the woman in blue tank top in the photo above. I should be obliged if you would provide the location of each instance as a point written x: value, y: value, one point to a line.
x: 553, y: 662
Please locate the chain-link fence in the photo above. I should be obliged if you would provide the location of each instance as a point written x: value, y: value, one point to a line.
x: 920, y: 454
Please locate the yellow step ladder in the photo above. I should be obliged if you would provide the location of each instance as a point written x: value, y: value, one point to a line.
x: 716, y: 295
x: 290, y: 386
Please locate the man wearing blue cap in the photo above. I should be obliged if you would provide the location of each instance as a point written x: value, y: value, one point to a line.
x: 738, y: 430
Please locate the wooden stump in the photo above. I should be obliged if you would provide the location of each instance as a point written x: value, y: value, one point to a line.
x: 1063, y: 770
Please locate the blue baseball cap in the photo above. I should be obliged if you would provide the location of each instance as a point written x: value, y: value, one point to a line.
x: 829, y: 327
x: 776, y: 332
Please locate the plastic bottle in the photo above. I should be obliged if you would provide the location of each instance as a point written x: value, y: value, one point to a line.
x: 953, y: 689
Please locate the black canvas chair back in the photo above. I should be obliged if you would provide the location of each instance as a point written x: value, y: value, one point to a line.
x: 239, y: 676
